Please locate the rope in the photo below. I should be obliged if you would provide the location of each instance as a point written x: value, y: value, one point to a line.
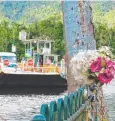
x: 97, y: 108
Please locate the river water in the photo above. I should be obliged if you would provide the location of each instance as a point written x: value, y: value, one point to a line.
x: 23, y: 107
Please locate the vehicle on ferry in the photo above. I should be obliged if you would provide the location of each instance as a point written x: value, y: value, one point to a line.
x: 11, y: 57
x: 8, y: 61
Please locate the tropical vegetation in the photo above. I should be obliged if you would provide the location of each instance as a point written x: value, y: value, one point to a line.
x: 104, y: 23
x: 44, y: 19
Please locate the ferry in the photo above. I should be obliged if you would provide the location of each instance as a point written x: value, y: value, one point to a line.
x: 42, y: 71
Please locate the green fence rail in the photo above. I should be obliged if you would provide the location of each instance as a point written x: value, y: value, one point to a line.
x: 72, y: 107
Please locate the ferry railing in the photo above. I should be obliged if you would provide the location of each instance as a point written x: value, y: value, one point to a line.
x: 48, y: 69
x: 42, y: 69
x: 73, y: 107
x: 55, y: 68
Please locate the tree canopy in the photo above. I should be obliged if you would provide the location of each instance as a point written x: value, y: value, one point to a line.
x: 105, y: 29
x: 47, y: 22
x: 51, y: 28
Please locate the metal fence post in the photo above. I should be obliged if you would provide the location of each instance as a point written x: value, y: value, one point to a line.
x: 60, y: 106
x: 66, y: 108
x: 53, y: 111
x: 72, y: 104
x: 39, y: 117
x: 44, y: 110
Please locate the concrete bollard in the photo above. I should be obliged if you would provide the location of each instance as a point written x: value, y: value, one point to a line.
x: 38, y: 117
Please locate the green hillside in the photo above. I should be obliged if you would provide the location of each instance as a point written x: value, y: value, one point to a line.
x: 44, y: 19
x: 103, y: 11
x: 31, y: 11
x: 28, y: 11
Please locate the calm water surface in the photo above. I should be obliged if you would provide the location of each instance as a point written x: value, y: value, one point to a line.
x: 23, y: 107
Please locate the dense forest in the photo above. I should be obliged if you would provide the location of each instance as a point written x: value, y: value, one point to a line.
x: 104, y: 23
x: 44, y: 19
x: 39, y: 19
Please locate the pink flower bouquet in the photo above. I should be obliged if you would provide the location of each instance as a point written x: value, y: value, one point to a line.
x: 93, y: 67
x: 103, y: 70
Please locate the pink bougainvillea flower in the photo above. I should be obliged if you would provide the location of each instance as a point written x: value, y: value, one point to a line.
x: 108, y: 72
x: 105, y: 77
x: 112, y: 70
x: 110, y: 63
x: 96, y: 65
x: 111, y: 66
